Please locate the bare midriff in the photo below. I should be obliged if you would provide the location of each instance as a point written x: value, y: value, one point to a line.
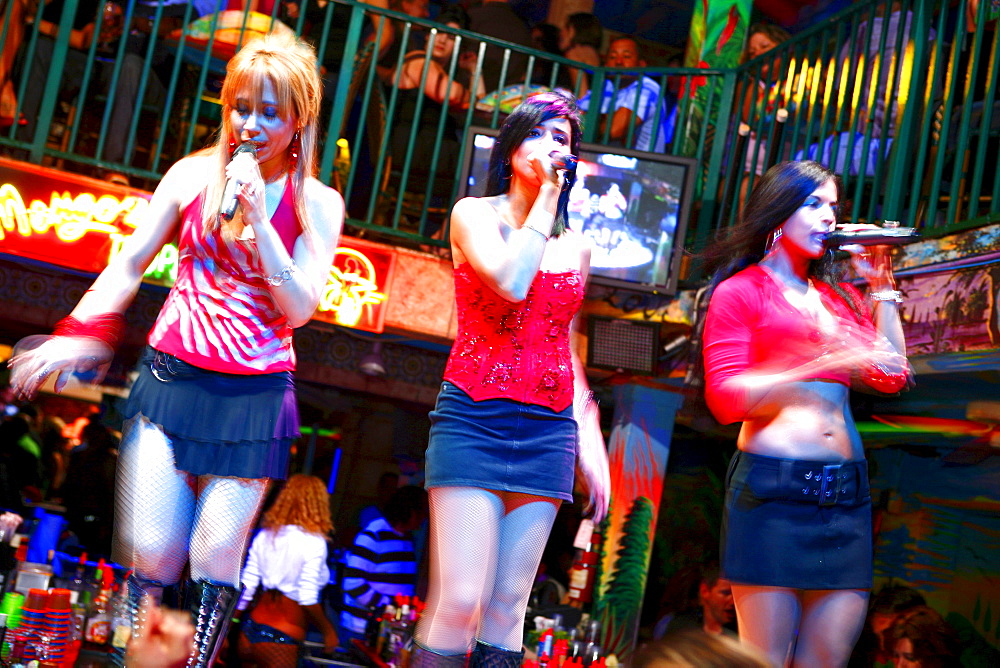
x: 807, y: 420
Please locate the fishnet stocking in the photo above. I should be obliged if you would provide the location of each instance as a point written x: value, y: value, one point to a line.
x: 154, y: 504
x: 226, y: 513
x: 484, y: 558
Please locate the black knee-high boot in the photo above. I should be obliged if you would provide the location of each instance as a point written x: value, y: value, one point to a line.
x: 212, y: 606
x: 491, y: 656
x: 136, y: 588
x: 421, y: 657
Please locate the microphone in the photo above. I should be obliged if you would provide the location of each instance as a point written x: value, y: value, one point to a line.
x: 565, y: 161
x: 229, y: 202
x: 883, y: 236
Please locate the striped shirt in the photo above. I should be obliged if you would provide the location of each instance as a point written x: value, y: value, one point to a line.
x: 220, y: 314
x: 380, y: 565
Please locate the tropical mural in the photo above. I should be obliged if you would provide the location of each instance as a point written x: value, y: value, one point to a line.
x: 637, y: 452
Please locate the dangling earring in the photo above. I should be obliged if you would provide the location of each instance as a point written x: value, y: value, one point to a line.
x: 505, y: 171
x: 772, y: 239
x: 296, y: 146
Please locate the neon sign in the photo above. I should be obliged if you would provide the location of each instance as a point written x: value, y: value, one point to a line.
x: 76, y: 225
x: 70, y: 217
x: 352, y: 286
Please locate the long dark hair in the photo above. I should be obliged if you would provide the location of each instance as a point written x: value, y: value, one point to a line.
x: 535, y: 110
x: 778, y: 194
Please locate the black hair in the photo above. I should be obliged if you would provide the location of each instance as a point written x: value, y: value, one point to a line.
x: 404, y: 502
x: 587, y: 30
x: 534, y: 111
x: 454, y: 14
x: 893, y: 599
x: 778, y: 194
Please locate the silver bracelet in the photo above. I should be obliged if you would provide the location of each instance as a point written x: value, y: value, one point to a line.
x: 535, y: 229
x: 283, y: 276
x: 887, y: 296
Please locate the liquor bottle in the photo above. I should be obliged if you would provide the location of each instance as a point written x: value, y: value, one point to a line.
x: 582, y: 574
x: 98, y: 627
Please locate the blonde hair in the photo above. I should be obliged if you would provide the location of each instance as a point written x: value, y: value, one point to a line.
x: 303, y: 502
x: 694, y: 648
x: 289, y: 65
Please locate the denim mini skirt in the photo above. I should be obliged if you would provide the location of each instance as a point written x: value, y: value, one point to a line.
x: 221, y: 424
x: 797, y: 524
x: 500, y: 444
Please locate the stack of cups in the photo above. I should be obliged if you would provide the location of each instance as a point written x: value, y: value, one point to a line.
x: 58, y: 622
x: 33, y: 622
x: 11, y: 606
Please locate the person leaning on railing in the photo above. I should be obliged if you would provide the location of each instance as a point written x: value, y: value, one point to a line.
x: 435, y: 94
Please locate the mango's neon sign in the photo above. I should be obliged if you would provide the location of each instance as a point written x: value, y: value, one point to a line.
x: 352, y: 285
x: 70, y: 217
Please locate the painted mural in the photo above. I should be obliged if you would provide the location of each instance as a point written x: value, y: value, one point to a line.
x: 938, y: 531
x: 637, y: 453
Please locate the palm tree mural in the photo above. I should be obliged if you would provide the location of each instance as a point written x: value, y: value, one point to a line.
x: 619, y: 611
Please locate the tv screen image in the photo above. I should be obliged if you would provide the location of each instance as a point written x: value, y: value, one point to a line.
x: 632, y: 205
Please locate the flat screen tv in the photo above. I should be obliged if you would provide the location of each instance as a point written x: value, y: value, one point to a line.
x: 632, y: 205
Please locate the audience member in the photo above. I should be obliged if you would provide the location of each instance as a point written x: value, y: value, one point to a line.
x: 637, y: 99
x: 389, y: 49
x: 74, y: 64
x: 381, y: 564
x: 20, y: 461
x: 581, y: 39
x: 873, y: 648
x: 545, y: 37
x: 12, y: 29
x: 434, y: 95
x: 285, y: 575
x: 55, y: 454
x: 691, y: 648
x: 496, y: 18
x: 760, y: 96
x: 388, y: 482
x: 89, y: 490
x: 921, y: 638
x: 715, y: 612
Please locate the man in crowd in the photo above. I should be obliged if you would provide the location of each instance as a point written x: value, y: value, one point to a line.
x: 638, y: 98
x: 382, y: 562
x: 715, y: 612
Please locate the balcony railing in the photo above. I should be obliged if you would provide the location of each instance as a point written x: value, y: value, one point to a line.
x: 900, y: 98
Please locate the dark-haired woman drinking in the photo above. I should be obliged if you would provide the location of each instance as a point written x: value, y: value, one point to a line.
x: 514, y: 413
x: 783, y: 343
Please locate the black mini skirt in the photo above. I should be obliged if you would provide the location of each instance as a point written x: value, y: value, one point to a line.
x: 500, y: 444
x: 222, y: 424
x: 797, y: 524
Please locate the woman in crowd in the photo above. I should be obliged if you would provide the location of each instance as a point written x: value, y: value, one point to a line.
x: 580, y: 40
x: 514, y: 412
x: 760, y: 97
x: 432, y: 96
x: 798, y: 483
x: 287, y: 571
x: 923, y: 639
x: 212, y: 413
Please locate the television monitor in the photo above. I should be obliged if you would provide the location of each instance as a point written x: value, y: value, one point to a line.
x: 632, y: 205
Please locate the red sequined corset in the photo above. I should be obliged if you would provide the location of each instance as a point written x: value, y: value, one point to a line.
x: 511, y: 350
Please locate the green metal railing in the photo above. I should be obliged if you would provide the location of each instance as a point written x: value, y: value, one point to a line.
x: 902, y: 103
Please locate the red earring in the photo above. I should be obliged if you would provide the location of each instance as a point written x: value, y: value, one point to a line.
x: 296, y: 146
